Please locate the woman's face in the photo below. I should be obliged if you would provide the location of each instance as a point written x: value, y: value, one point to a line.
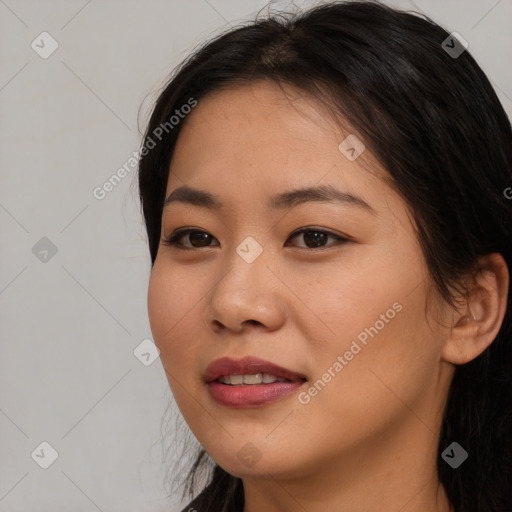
x: 347, y: 317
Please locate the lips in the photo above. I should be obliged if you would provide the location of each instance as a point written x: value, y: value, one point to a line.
x: 259, y: 392
x: 248, y: 366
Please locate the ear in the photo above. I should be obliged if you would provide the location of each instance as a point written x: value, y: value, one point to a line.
x: 476, y: 323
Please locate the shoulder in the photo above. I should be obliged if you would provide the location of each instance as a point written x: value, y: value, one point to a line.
x: 192, y: 506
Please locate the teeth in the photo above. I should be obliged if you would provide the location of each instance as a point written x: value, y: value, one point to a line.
x: 248, y: 379
x: 257, y: 378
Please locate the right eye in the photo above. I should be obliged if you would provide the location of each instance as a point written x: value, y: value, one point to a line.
x: 197, y: 239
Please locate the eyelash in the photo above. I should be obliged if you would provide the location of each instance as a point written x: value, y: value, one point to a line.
x: 172, y: 241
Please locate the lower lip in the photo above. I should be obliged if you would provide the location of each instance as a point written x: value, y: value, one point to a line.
x: 254, y: 395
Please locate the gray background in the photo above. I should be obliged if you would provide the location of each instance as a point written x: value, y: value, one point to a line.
x: 70, y: 321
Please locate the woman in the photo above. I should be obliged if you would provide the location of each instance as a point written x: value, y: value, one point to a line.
x: 330, y: 242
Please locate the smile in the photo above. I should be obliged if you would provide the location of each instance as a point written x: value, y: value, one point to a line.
x: 250, y: 382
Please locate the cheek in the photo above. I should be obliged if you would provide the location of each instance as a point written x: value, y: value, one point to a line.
x: 178, y: 298
x: 174, y: 305
x: 160, y: 305
x: 384, y: 355
x: 377, y: 324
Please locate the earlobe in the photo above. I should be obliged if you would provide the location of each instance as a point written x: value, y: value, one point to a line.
x: 476, y: 324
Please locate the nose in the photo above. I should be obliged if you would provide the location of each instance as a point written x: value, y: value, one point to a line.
x: 247, y: 296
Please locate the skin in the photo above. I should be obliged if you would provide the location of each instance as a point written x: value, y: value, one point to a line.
x: 368, y: 439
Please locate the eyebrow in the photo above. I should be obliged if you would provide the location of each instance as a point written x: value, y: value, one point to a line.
x: 284, y: 200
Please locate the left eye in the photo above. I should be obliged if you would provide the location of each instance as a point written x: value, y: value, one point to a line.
x: 313, y: 238
x: 317, y: 237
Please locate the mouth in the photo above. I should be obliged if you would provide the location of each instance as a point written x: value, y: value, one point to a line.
x: 251, y: 379
x: 249, y: 371
x: 250, y: 382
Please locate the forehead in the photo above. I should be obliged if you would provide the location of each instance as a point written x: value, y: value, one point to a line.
x: 256, y: 139
x: 259, y: 111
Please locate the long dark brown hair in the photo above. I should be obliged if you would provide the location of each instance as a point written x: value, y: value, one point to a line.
x: 434, y: 122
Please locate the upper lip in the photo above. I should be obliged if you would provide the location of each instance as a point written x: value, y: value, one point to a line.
x: 247, y: 366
